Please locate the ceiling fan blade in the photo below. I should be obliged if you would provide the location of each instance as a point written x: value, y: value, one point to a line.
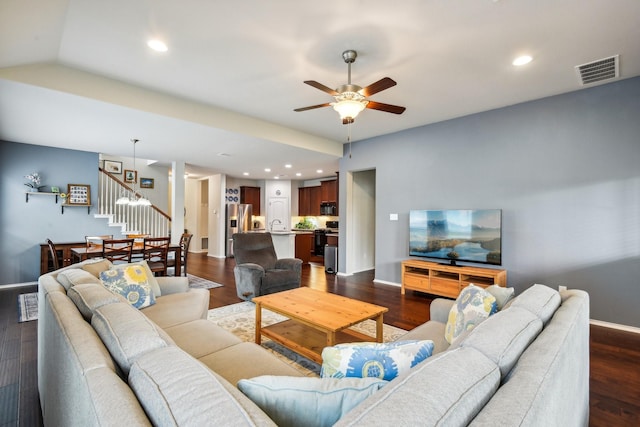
x: 322, y: 87
x: 378, y: 86
x: 311, y: 107
x: 388, y: 108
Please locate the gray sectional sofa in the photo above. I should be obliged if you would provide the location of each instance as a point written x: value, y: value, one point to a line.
x: 103, y: 362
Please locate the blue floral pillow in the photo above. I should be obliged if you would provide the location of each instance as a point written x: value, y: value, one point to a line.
x: 131, y: 282
x: 379, y: 360
x: 472, y: 306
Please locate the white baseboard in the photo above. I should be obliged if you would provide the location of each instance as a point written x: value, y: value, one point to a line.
x: 17, y: 285
x: 384, y: 282
x: 617, y: 326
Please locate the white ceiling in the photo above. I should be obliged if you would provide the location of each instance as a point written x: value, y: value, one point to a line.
x: 78, y: 74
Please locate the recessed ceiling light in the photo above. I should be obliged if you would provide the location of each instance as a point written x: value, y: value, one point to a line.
x: 157, y: 45
x: 288, y: 166
x: 245, y: 173
x: 319, y: 171
x: 267, y: 169
x: 522, y: 60
x: 298, y: 174
x: 276, y: 177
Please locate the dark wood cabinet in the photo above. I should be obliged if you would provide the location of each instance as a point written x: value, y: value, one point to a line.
x: 64, y: 254
x: 251, y: 195
x: 304, y: 246
x: 309, y: 199
x: 329, y: 191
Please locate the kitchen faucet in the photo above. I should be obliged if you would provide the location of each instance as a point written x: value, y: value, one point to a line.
x: 272, y: 222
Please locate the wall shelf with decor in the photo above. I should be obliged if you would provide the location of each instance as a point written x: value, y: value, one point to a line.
x: 67, y: 205
x: 33, y: 193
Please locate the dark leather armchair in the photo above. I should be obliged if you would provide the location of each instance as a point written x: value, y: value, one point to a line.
x: 258, y: 271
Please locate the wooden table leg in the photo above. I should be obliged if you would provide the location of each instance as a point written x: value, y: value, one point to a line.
x: 258, y: 323
x: 331, y: 338
x: 379, y: 324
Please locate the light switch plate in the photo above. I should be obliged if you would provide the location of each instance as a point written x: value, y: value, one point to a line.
x: 393, y: 217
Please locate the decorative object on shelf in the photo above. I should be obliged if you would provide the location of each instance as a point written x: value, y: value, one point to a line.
x: 55, y: 189
x: 131, y: 176
x: 146, y: 182
x: 78, y: 194
x: 113, y: 167
x: 132, y: 197
x: 34, y: 183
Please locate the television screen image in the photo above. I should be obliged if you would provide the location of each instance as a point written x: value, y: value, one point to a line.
x: 457, y: 235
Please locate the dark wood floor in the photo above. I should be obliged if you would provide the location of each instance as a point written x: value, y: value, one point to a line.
x: 615, y: 371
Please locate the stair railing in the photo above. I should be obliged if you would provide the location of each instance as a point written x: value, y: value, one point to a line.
x: 136, y: 219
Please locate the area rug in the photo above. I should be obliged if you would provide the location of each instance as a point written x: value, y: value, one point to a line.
x: 27, y: 307
x: 240, y: 320
x: 199, y: 282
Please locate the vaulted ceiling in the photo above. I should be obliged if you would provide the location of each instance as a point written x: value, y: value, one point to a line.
x: 78, y: 73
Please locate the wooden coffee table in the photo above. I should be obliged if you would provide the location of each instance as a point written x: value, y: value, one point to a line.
x: 317, y: 320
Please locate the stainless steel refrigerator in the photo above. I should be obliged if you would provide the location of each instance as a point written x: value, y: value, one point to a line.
x: 238, y: 220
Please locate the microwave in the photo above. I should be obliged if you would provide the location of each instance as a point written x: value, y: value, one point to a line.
x: 328, y: 208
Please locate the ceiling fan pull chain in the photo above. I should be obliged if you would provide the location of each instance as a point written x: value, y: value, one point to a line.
x: 349, y: 137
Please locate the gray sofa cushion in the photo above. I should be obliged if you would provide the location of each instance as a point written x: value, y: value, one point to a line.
x: 189, y: 337
x: 127, y: 333
x: 504, y: 336
x: 175, y: 309
x: 191, y: 395
x: 541, y: 300
x: 549, y: 386
x: 240, y: 362
x: 90, y: 296
x: 430, y: 330
x: 75, y: 276
x: 448, y: 389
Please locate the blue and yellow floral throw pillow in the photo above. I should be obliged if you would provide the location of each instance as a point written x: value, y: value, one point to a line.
x: 472, y: 306
x: 131, y: 282
x: 379, y: 360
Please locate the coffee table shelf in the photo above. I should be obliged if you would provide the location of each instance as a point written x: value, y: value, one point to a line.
x: 309, y: 341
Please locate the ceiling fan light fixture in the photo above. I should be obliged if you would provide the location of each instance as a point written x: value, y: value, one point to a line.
x: 349, y: 105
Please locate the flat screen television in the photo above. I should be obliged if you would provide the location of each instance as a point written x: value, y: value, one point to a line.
x: 471, y: 235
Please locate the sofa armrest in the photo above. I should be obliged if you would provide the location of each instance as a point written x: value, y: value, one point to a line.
x: 289, y: 264
x: 172, y: 285
x: 440, y: 308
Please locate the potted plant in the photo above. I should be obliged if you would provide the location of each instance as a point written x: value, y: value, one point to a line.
x: 34, y: 182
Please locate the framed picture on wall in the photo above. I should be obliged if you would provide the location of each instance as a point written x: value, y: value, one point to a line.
x: 113, y: 167
x: 146, y: 182
x: 78, y: 194
x: 130, y: 176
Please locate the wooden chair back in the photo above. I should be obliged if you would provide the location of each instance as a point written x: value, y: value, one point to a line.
x: 54, y: 255
x: 155, y: 252
x: 117, y: 250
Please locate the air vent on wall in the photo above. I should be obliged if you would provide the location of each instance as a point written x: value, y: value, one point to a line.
x: 597, y: 71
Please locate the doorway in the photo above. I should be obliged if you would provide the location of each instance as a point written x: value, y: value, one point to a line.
x: 361, y: 221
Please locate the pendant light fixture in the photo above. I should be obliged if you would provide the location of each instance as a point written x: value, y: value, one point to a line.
x: 133, y: 197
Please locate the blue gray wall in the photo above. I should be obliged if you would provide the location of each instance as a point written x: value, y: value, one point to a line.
x: 565, y: 170
x: 26, y: 225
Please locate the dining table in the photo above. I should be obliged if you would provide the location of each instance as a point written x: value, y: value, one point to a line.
x: 95, y: 251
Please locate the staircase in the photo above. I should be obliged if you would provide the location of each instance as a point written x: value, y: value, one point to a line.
x: 147, y: 220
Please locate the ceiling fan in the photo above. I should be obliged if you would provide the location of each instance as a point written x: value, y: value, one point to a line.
x: 352, y: 99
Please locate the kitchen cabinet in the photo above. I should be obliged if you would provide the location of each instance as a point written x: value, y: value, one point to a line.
x: 304, y: 246
x: 329, y: 190
x: 309, y: 199
x: 251, y: 195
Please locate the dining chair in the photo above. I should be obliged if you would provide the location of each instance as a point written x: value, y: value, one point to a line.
x: 117, y: 250
x: 95, y: 242
x: 55, y: 258
x: 185, y: 241
x: 155, y: 252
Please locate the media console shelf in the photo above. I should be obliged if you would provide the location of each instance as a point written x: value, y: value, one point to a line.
x: 447, y: 280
